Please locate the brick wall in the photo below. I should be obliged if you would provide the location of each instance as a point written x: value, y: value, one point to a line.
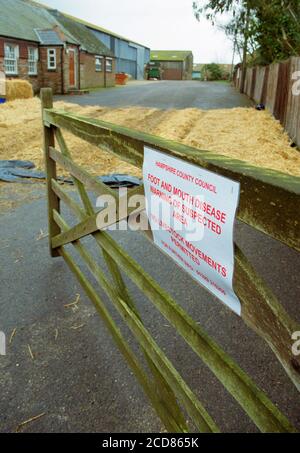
x: 90, y: 78
x: 88, y: 75
x: 35, y: 80
x: 111, y: 76
x: 58, y: 79
x: 51, y: 78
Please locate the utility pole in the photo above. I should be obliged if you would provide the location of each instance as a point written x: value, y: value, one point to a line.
x: 233, y: 55
x: 245, y: 47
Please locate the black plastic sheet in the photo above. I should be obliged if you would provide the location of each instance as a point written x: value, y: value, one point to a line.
x: 22, y: 171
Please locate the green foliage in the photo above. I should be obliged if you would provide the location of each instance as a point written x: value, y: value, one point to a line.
x: 265, y: 30
x: 277, y: 30
x: 212, y: 71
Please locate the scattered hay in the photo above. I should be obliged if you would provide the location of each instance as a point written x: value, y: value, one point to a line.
x: 242, y: 133
x: 30, y: 352
x: 12, y: 336
x: 75, y: 303
x: 42, y: 235
x: 30, y: 420
x: 77, y: 327
x: 18, y: 89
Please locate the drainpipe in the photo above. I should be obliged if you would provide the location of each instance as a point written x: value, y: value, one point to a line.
x: 62, y: 69
x: 78, y: 69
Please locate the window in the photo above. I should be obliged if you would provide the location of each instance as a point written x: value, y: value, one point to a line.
x: 99, y: 64
x: 51, y: 59
x: 11, y: 55
x: 33, y: 57
x: 108, y: 64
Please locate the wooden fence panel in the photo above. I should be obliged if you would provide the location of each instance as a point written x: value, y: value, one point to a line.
x: 258, y: 89
x: 265, y: 85
x: 253, y: 84
x: 293, y: 103
x: 282, y: 92
x: 272, y: 87
x: 248, y: 82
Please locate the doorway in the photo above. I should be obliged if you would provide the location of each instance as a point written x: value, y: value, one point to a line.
x: 72, y: 68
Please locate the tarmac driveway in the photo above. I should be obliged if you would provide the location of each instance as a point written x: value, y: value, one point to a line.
x: 166, y: 95
x: 61, y: 361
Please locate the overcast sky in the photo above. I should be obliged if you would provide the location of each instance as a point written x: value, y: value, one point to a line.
x: 158, y: 24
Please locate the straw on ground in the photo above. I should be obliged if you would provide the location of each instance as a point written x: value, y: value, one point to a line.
x: 30, y: 420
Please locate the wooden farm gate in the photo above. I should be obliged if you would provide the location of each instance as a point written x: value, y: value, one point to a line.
x: 270, y: 202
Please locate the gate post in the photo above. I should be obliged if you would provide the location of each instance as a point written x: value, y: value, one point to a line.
x: 50, y: 167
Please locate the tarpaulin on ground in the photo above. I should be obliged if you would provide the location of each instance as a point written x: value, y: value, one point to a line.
x: 22, y: 170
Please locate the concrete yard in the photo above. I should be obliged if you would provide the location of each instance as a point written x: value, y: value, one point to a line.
x: 62, y: 364
x: 166, y: 95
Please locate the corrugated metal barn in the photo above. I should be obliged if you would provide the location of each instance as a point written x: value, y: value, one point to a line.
x: 131, y: 57
x: 174, y: 64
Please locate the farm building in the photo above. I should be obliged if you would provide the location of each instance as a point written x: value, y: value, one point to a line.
x: 52, y: 49
x: 95, y: 62
x: 131, y: 57
x: 48, y: 50
x: 174, y: 64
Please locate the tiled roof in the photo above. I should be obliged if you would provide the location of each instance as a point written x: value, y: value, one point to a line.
x: 89, y: 24
x: 24, y: 19
x: 19, y: 19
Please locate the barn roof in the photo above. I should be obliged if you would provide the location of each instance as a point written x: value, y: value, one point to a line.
x: 103, y: 30
x: 24, y: 19
x: 90, y: 25
x: 170, y: 55
x: 82, y: 34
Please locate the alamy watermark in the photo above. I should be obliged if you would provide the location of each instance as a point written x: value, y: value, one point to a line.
x: 296, y: 345
x: 166, y: 212
x: 2, y: 343
x: 296, y: 85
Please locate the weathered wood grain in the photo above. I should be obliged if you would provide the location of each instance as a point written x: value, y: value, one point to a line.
x: 50, y: 166
x: 270, y: 201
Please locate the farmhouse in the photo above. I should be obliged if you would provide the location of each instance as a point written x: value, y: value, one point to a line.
x: 174, y: 64
x: 52, y: 49
x: 49, y: 50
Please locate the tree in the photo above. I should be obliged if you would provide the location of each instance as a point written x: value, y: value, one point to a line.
x: 278, y: 30
x: 238, y: 27
x: 212, y: 71
x: 263, y: 31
